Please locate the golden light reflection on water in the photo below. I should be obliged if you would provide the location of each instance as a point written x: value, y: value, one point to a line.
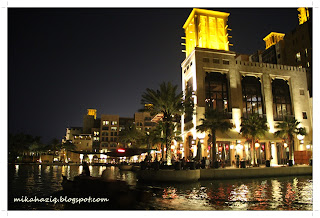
x: 287, y: 193
x: 276, y: 194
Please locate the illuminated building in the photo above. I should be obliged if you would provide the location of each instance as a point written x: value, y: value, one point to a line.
x: 273, y: 38
x: 219, y: 79
x: 293, y: 48
x: 206, y: 29
x: 143, y: 121
x: 70, y: 132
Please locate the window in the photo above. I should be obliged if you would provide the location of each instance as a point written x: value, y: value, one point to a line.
x: 114, y: 122
x: 205, y: 59
x: 105, y: 122
x: 225, y: 62
x: 281, y: 99
x: 306, y: 52
x: 301, y: 91
x: 304, y: 115
x: 105, y: 128
x: 113, y: 128
x: 308, y: 64
x: 111, y: 133
x: 216, y: 89
x: 95, y: 133
x: 252, y: 97
x: 216, y: 60
x: 298, y: 57
x: 189, y: 109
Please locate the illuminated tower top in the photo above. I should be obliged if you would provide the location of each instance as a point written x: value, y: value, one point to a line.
x: 273, y: 38
x: 206, y: 29
x: 303, y: 16
x: 92, y: 112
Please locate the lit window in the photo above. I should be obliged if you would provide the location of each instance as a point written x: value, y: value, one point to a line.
x: 308, y: 64
x: 298, y: 57
x: 306, y: 52
x: 114, y: 123
x: 216, y: 90
x: 105, y: 122
x: 113, y: 128
x: 281, y: 99
x: 252, y: 96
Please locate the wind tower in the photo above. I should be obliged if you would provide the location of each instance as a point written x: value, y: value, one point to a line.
x: 206, y: 44
x: 273, y: 38
x: 303, y: 15
x: 206, y: 29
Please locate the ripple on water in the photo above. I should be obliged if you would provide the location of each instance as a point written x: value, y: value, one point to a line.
x: 285, y: 193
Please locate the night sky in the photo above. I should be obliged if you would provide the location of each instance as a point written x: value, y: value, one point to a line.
x: 64, y: 61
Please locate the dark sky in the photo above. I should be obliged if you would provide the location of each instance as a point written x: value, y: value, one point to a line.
x: 64, y: 61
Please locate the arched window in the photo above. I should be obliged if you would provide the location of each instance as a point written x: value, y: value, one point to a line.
x: 251, y: 95
x: 281, y: 99
x: 216, y: 88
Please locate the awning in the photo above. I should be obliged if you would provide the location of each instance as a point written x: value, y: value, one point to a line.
x: 228, y: 136
x: 233, y: 136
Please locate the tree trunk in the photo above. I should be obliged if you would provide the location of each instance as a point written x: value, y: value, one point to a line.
x: 253, y: 152
x: 290, y: 147
x: 213, y: 148
x: 168, y: 143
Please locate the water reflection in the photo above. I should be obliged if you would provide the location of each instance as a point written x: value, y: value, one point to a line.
x: 286, y: 193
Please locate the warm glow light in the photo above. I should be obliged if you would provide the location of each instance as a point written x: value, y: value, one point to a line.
x: 303, y: 15
x: 273, y: 38
x: 308, y: 146
x: 206, y: 29
x: 257, y: 145
x: 120, y: 150
x: 285, y: 145
x: 300, y: 137
x: 231, y: 146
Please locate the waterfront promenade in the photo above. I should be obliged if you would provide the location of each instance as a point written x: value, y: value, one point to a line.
x: 222, y: 173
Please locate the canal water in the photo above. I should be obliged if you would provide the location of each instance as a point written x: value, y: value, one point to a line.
x: 282, y: 193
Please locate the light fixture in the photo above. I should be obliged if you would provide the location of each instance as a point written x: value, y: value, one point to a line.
x: 257, y: 145
x: 300, y: 137
x: 285, y: 145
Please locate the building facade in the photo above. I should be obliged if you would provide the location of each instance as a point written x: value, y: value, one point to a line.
x: 219, y: 80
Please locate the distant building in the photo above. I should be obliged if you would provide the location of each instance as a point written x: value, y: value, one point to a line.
x: 70, y: 132
x: 293, y: 48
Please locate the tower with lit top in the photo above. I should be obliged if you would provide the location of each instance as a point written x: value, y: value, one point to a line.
x: 303, y: 15
x: 273, y: 38
x: 206, y: 29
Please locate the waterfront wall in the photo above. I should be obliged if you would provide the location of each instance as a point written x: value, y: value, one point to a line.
x: 215, y: 174
x: 254, y: 172
x: 169, y: 175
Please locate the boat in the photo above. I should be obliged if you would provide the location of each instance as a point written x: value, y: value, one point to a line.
x: 120, y: 195
x: 125, y: 167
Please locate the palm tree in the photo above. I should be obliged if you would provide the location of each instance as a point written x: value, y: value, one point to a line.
x: 130, y: 135
x: 252, y: 128
x: 164, y: 101
x: 214, y: 120
x: 287, y: 129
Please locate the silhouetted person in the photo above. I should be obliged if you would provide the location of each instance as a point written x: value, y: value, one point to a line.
x: 85, y: 171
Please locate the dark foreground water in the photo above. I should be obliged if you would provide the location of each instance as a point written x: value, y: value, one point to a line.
x: 283, y: 193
